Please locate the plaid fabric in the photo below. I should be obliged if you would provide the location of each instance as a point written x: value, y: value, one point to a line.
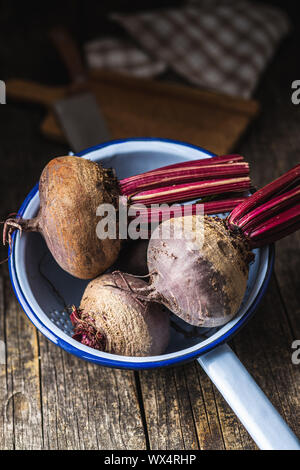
x: 220, y: 45
x: 115, y: 54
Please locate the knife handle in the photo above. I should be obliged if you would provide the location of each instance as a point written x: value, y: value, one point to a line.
x: 70, y: 56
x: 26, y: 90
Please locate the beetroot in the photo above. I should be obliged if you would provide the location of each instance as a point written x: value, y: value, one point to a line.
x: 111, y: 318
x: 71, y: 189
x: 204, y: 283
x: 201, y: 281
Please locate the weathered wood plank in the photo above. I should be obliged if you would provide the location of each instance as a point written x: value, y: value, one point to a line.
x: 6, y: 425
x: 20, y: 386
x: 202, y: 398
x: 87, y: 406
x: 287, y: 269
x: 169, y: 423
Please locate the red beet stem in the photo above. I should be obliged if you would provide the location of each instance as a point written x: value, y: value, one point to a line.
x: 277, y: 187
x: 189, y: 191
x: 268, y: 209
x: 275, y: 228
x: 272, y: 212
x: 158, y: 214
x: 186, y: 171
x: 187, y: 174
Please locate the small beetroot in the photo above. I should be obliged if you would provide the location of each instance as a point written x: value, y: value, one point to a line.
x: 111, y: 318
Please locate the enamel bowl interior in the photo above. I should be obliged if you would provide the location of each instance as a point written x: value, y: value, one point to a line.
x: 40, y: 284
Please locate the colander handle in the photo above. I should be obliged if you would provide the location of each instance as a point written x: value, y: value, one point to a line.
x: 247, y: 400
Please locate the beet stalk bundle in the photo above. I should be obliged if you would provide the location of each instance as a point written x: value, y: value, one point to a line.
x: 72, y: 188
x: 226, y: 167
x: 152, y: 215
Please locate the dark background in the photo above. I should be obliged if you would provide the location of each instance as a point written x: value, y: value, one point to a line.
x: 27, y: 52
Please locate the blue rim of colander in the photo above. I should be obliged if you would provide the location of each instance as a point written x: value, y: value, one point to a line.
x: 105, y: 361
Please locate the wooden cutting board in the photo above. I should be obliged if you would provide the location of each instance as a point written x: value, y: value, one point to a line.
x: 136, y: 107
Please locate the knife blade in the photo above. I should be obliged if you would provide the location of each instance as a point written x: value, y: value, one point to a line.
x: 78, y: 113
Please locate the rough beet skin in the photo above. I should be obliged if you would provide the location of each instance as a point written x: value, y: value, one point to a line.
x: 70, y: 190
x: 204, y: 284
x: 113, y: 318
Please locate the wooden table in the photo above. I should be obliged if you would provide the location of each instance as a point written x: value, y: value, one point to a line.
x: 52, y: 400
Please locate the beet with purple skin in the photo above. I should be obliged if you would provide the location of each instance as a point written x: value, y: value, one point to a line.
x: 203, y: 279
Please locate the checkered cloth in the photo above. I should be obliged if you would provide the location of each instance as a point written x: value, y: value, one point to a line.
x: 122, y: 56
x: 219, y: 45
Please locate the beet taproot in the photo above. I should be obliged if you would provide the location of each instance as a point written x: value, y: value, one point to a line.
x: 111, y: 318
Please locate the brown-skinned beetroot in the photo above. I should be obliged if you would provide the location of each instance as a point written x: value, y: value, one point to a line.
x: 111, y: 318
x: 204, y: 284
x: 70, y: 190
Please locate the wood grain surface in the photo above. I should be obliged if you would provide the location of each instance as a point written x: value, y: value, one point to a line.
x: 52, y: 400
